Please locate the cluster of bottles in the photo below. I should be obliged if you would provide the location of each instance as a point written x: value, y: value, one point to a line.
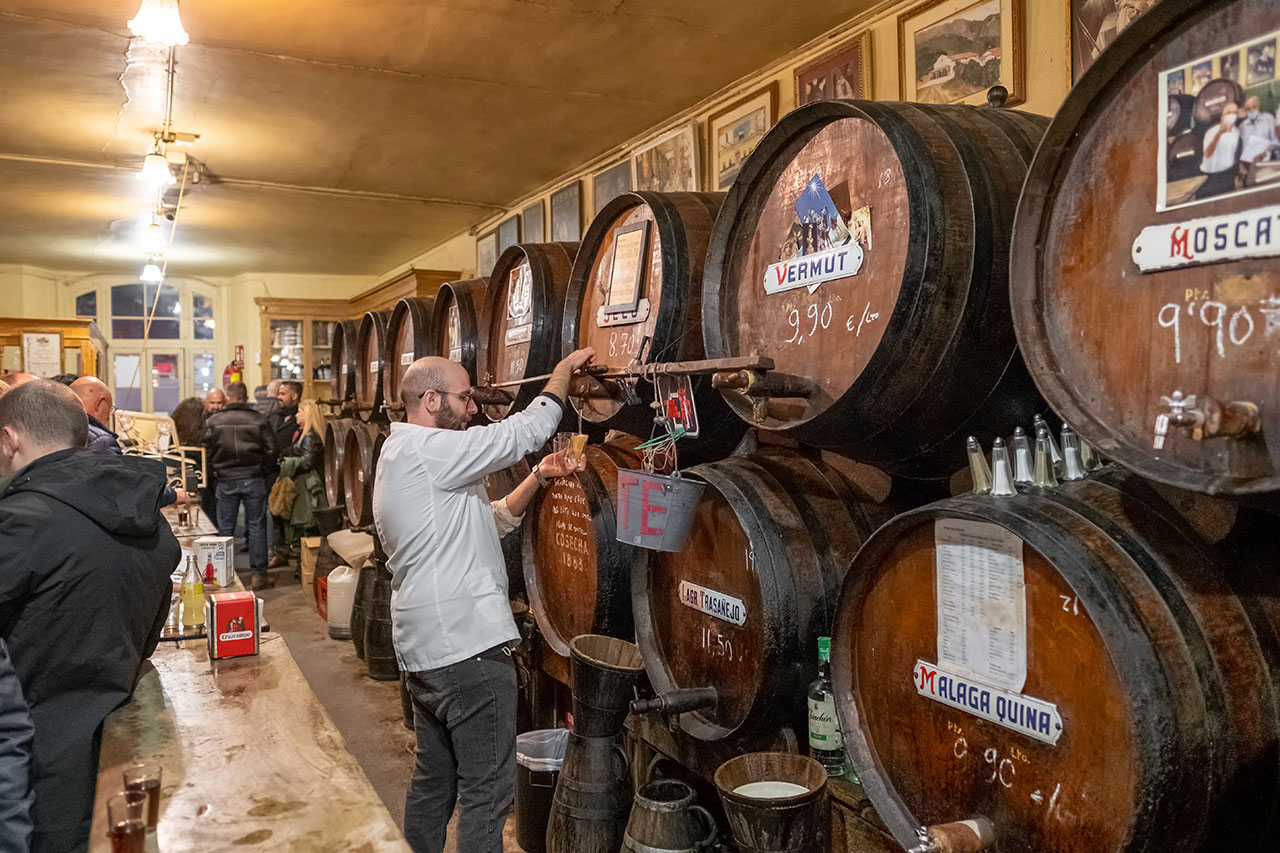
x: 825, y: 744
x: 322, y: 370
x: 192, y: 594
x: 1049, y: 464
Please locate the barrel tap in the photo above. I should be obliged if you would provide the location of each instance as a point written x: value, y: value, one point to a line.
x: 1211, y: 419
x: 962, y: 836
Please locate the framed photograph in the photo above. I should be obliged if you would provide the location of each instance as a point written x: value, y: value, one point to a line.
x: 630, y: 252
x: 1260, y: 62
x: 566, y: 213
x: 734, y: 132
x: 1095, y: 24
x: 609, y: 183
x: 669, y: 164
x: 953, y: 51
x: 843, y: 73
x: 486, y: 254
x: 531, y: 223
x: 508, y: 233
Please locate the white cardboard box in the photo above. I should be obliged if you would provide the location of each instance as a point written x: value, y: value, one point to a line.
x: 221, y: 552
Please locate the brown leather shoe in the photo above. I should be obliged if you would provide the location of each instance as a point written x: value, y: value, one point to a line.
x: 277, y: 562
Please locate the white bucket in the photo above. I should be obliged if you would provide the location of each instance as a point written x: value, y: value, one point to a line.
x: 342, y: 593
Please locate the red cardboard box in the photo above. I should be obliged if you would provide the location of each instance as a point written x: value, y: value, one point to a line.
x: 233, y: 622
x: 322, y: 597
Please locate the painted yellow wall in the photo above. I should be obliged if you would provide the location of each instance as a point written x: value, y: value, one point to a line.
x: 1046, y: 58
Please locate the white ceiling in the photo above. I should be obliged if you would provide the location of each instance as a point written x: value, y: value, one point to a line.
x: 343, y: 136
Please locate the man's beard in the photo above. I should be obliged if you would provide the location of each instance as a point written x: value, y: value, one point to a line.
x: 447, y: 418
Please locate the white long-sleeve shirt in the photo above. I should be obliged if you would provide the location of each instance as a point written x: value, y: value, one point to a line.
x: 449, y: 597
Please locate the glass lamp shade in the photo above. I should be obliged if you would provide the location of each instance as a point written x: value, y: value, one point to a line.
x: 158, y: 21
x: 151, y: 274
x: 153, y: 242
x: 155, y: 170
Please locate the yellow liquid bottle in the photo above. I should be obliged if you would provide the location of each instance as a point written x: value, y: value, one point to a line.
x: 192, y: 595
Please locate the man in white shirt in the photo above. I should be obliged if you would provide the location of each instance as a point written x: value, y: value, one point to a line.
x: 1221, y: 154
x: 450, y: 612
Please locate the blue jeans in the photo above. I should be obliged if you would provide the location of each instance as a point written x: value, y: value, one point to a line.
x: 252, y: 492
x: 465, y: 718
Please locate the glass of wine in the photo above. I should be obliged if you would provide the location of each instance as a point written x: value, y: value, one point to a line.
x: 127, y: 822
x: 146, y: 778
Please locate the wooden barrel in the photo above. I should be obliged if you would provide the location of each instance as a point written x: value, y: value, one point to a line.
x: 1127, y: 289
x: 359, y: 467
x: 592, y: 800
x: 410, y: 336
x: 379, y: 650
x: 770, y: 540
x: 637, y: 283
x: 1103, y: 688
x: 525, y: 307
x: 361, y: 604
x: 460, y: 323
x: 371, y: 351
x: 335, y: 449
x: 342, y: 383
x: 576, y: 572
x: 864, y: 249
x: 498, y: 485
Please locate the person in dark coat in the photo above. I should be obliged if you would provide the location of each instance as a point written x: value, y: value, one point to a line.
x: 98, y: 404
x: 16, y: 733
x: 284, y: 423
x: 85, y: 564
x: 241, y: 450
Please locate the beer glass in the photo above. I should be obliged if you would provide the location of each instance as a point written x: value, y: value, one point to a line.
x: 146, y: 778
x: 127, y: 822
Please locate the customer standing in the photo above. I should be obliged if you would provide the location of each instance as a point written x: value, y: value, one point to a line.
x: 85, y: 559
x: 284, y: 423
x: 241, y: 451
x: 303, y: 462
x: 450, y: 610
x: 98, y: 404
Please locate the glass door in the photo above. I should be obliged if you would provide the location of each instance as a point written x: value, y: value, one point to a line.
x: 286, y: 349
x: 126, y: 380
x: 166, y: 382
x: 162, y: 389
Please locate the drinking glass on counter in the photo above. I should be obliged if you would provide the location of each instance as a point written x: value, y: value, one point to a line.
x: 146, y: 778
x: 127, y: 822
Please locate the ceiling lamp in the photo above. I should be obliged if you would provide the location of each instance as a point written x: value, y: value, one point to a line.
x: 158, y: 21
x: 151, y: 273
x: 155, y: 169
x: 153, y: 242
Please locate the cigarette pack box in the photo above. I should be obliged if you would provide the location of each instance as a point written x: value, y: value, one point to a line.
x: 216, y: 556
x: 233, y: 621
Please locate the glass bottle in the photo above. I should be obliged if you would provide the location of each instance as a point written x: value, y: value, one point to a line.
x: 192, y: 595
x: 825, y: 744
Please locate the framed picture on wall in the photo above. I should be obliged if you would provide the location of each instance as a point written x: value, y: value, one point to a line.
x: 531, y: 222
x: 609, y: 183
x: 668, y: 164
x: 566, y: 213
x: 734, y: 132
x: 953, y: 51
x: 486, y: 254
x: 1095, y: 24
x: 508, y: 233
x: 842, y: 73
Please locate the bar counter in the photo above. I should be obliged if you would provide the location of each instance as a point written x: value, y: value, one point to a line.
x: 250, y: 759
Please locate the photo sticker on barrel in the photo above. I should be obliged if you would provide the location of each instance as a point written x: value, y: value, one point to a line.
x: 1219, y: 133
x: 819, y: 245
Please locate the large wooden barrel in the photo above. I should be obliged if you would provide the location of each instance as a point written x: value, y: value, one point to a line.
x: 460, y: 323
x: 359, y: 467
x: 498, y: 485
x: 577, y: 574
x: 335, y: 449
x: 1130, y: 295
x: 342, y: 383
x: 647, y: 295
x: 770, y: 540
x: 371, y: 352
x: 864, y: 249
x: 410, y: 336
x: 525, y: 307
x: 1071, y: 664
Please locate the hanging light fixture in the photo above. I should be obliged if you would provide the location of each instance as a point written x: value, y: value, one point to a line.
x: 151, y: 273
x: 153, y: 241
x: 158, y: 21
x: 155, y: 169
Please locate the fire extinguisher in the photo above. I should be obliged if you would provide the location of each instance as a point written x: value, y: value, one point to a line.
x: 235, y: 370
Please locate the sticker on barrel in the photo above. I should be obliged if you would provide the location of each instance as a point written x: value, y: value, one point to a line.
x: 819, y: 246
x: 1027, y: 715
x: 717, y: 604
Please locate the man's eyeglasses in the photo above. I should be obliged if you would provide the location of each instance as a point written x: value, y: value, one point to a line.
x: 464, y: 396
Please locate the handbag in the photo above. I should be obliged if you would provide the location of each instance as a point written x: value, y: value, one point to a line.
x: 283, y: 493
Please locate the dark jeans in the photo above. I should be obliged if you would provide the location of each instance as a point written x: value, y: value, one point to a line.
x: 252, y: 492
x: 465, y: 718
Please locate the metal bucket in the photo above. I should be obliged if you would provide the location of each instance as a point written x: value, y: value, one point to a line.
x: 656, y: 511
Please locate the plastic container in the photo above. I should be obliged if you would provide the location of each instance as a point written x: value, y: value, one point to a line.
x: 658, y: 509
x: 342, y: 592
x: 539, y: 756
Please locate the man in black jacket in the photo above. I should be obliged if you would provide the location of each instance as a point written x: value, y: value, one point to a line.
x: 284, y: 423
x: 85, y: 560
x: 242, y: 451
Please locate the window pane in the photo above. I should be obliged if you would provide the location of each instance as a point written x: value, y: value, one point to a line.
x: 126, y: 328
x: 126, y: 300
x: 127, y: 382
x: 87, y: 304
x: 130, y: 300
x: 165, y: 383
x: 202, y: 373
x: 201, y: 306
x: 160, y: 329
x: 164, y: 329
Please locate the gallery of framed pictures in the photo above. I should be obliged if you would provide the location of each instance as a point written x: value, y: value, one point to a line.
x: 734, y: 132
x: 566, y: 213
x: 609, y: 183
x: 953, y: 51
x: 1095, y: 24
x: 668, y: 164
x: 844, y: 72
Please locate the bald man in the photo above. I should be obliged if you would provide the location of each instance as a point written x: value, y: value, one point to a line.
x: 214, y: 401
x: 98, y: 404
x: 450, y: 610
